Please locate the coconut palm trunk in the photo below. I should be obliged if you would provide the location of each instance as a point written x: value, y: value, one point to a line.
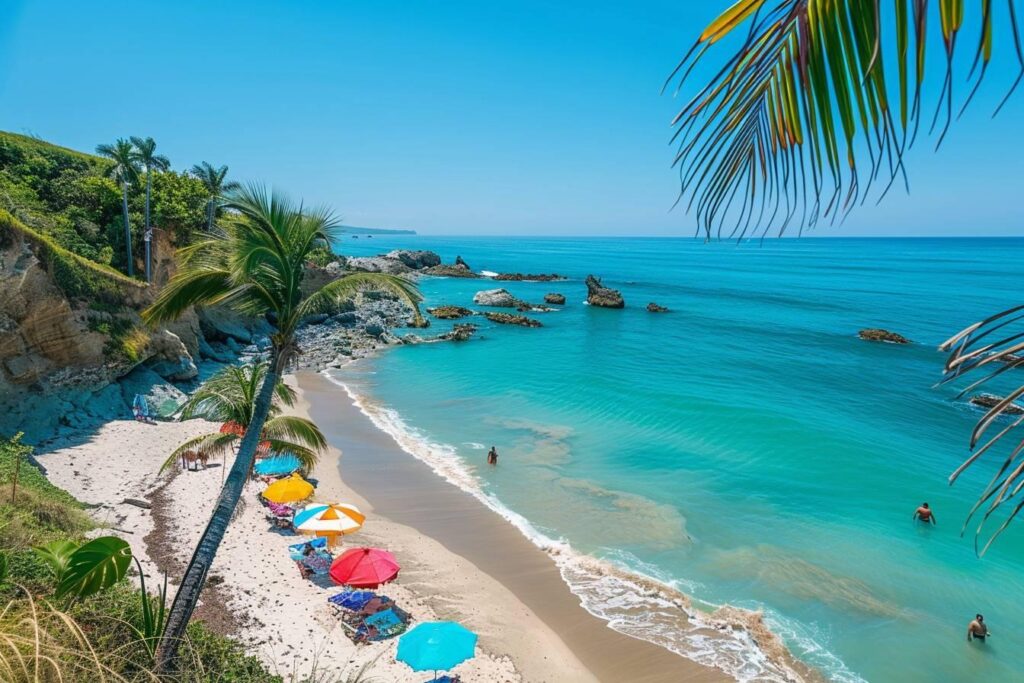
x: 127, y: 228
x: 192, y: 582
x: 147, y: 236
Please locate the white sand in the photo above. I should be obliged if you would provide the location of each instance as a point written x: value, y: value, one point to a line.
x: 286, y: 620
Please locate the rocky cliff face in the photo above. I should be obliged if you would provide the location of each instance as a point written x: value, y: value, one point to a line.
x: 60, y: 354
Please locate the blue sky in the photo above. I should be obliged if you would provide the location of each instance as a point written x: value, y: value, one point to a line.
x: 446, y: 117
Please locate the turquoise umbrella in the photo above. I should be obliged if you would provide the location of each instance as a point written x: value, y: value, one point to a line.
x: 436, y: 646
x: 281, y: 464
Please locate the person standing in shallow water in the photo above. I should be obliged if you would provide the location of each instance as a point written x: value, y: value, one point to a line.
x: 925, y: 514
x: 977, y: 629
x: 492, y: 456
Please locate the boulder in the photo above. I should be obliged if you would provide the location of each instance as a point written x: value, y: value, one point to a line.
x: 498, y: 298
x: 164, y: 399
x: 377, y: 264
x: 418, y: 322
x: 655, y: 308
x: 416, y: 260
x: 605, y: 297
x: 374, y: 329
x: 554, y: 298
x: 512, y: 319
x: 991, y: 401
x: 221, y: 324
x: 532, y: 277
x: 880, y: 335
x: 450, y: 312
x: 459, y: 263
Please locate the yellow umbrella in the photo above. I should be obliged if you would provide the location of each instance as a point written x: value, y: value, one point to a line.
x: 290, y: 490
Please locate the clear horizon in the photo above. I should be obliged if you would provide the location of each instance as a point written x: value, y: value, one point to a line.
x: 526, y: 118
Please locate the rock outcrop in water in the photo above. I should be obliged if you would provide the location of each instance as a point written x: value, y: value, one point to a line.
x: 395, y: 262
x: 459, y: 263
x: 880, y: 335
x: 655, y: 308
x: 450, y: 312
x: 528, y: 277
x: 554, y: 298
x: 605, y: 297
x: 512, y: 319
x: 498, y: 298
x: 461, y: 332
x: 991, y: 401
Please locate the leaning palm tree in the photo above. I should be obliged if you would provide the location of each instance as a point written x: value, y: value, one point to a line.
x: 229, y: 397
x: 779, y: 135
x: 213, y: 179
x: 124, y: 171
x: 255, y: 267
x: 145, y: 154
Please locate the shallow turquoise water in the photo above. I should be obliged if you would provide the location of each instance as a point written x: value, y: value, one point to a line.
x: 746, y: 447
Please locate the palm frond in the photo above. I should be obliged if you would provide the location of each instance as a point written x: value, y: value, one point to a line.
x: 296, y: 429
x: 307, y: 457
x: 777, y: 136
x: 986, y: 350
x: 213, y: 445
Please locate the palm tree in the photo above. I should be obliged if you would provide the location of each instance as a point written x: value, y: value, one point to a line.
x: 774, y: 138
x: 214, y: 181
x: 145, y: 154
x: 255, y: 267
x: 124, y: 171
x: 230, y: 397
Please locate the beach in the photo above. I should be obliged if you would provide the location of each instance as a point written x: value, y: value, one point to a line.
x: 472, y: 567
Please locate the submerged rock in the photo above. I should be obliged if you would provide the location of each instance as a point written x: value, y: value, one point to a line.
x: 532, y: 277
x: 880, y: 335
x: 461, y: 332
x: 991, y: 401
x: 599, y: 295
x: 512, y: 319
x: 445, y: 270
x: 499, y: 298
x: 450, y: 312
x: 655, y: 308
x: 554, y: 298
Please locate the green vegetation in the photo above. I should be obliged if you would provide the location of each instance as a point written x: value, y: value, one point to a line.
x: 67, y: 197
x: 98, y: 630
x: 321, y: 257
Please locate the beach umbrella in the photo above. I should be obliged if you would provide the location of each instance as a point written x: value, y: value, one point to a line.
x: 436, y: 646
x: 281, y: 464
x: 232, y: 427
x: 332, y: 520
x: 364, y: 568
x: 290, y: 490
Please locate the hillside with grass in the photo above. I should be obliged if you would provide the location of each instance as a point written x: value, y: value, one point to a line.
x: 45, y: 636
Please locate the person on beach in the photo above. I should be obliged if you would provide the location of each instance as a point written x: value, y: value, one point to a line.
x: 925, y: 514
x: 977, y: 629
x: 492, y: 456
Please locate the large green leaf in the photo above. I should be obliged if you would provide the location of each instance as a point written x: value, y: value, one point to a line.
x: 56, y: 555
x: 98, y: 564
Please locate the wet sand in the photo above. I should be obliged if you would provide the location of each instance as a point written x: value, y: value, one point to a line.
x: 405, y: 490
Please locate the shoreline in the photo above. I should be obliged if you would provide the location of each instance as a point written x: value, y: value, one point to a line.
x: 408, y: 490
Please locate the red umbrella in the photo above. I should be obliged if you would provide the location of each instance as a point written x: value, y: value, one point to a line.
x: 364, y: 568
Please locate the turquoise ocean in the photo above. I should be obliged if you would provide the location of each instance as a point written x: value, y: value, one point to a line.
x: 745, y: 449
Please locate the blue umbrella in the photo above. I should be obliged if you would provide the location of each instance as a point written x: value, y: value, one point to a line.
x: 281, y: 464
x: 436, y: 646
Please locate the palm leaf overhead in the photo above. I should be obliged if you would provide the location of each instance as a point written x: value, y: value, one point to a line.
x: 986, y: 350
x: 779, y: 134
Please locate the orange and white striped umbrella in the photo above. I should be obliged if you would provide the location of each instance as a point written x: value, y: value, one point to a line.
x: 336, y: 519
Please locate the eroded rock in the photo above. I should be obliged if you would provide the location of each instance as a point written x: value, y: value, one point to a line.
x: 605, y: 297
x: 880, y: 335
x: 554, y: 298
x: 512, y: 319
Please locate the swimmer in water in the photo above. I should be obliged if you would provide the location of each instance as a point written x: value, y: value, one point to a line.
x: 925, y: 514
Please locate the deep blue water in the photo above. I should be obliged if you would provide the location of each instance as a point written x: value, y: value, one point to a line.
x: 747, y: 447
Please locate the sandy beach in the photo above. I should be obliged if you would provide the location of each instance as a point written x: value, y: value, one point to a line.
x: 531, y: 627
